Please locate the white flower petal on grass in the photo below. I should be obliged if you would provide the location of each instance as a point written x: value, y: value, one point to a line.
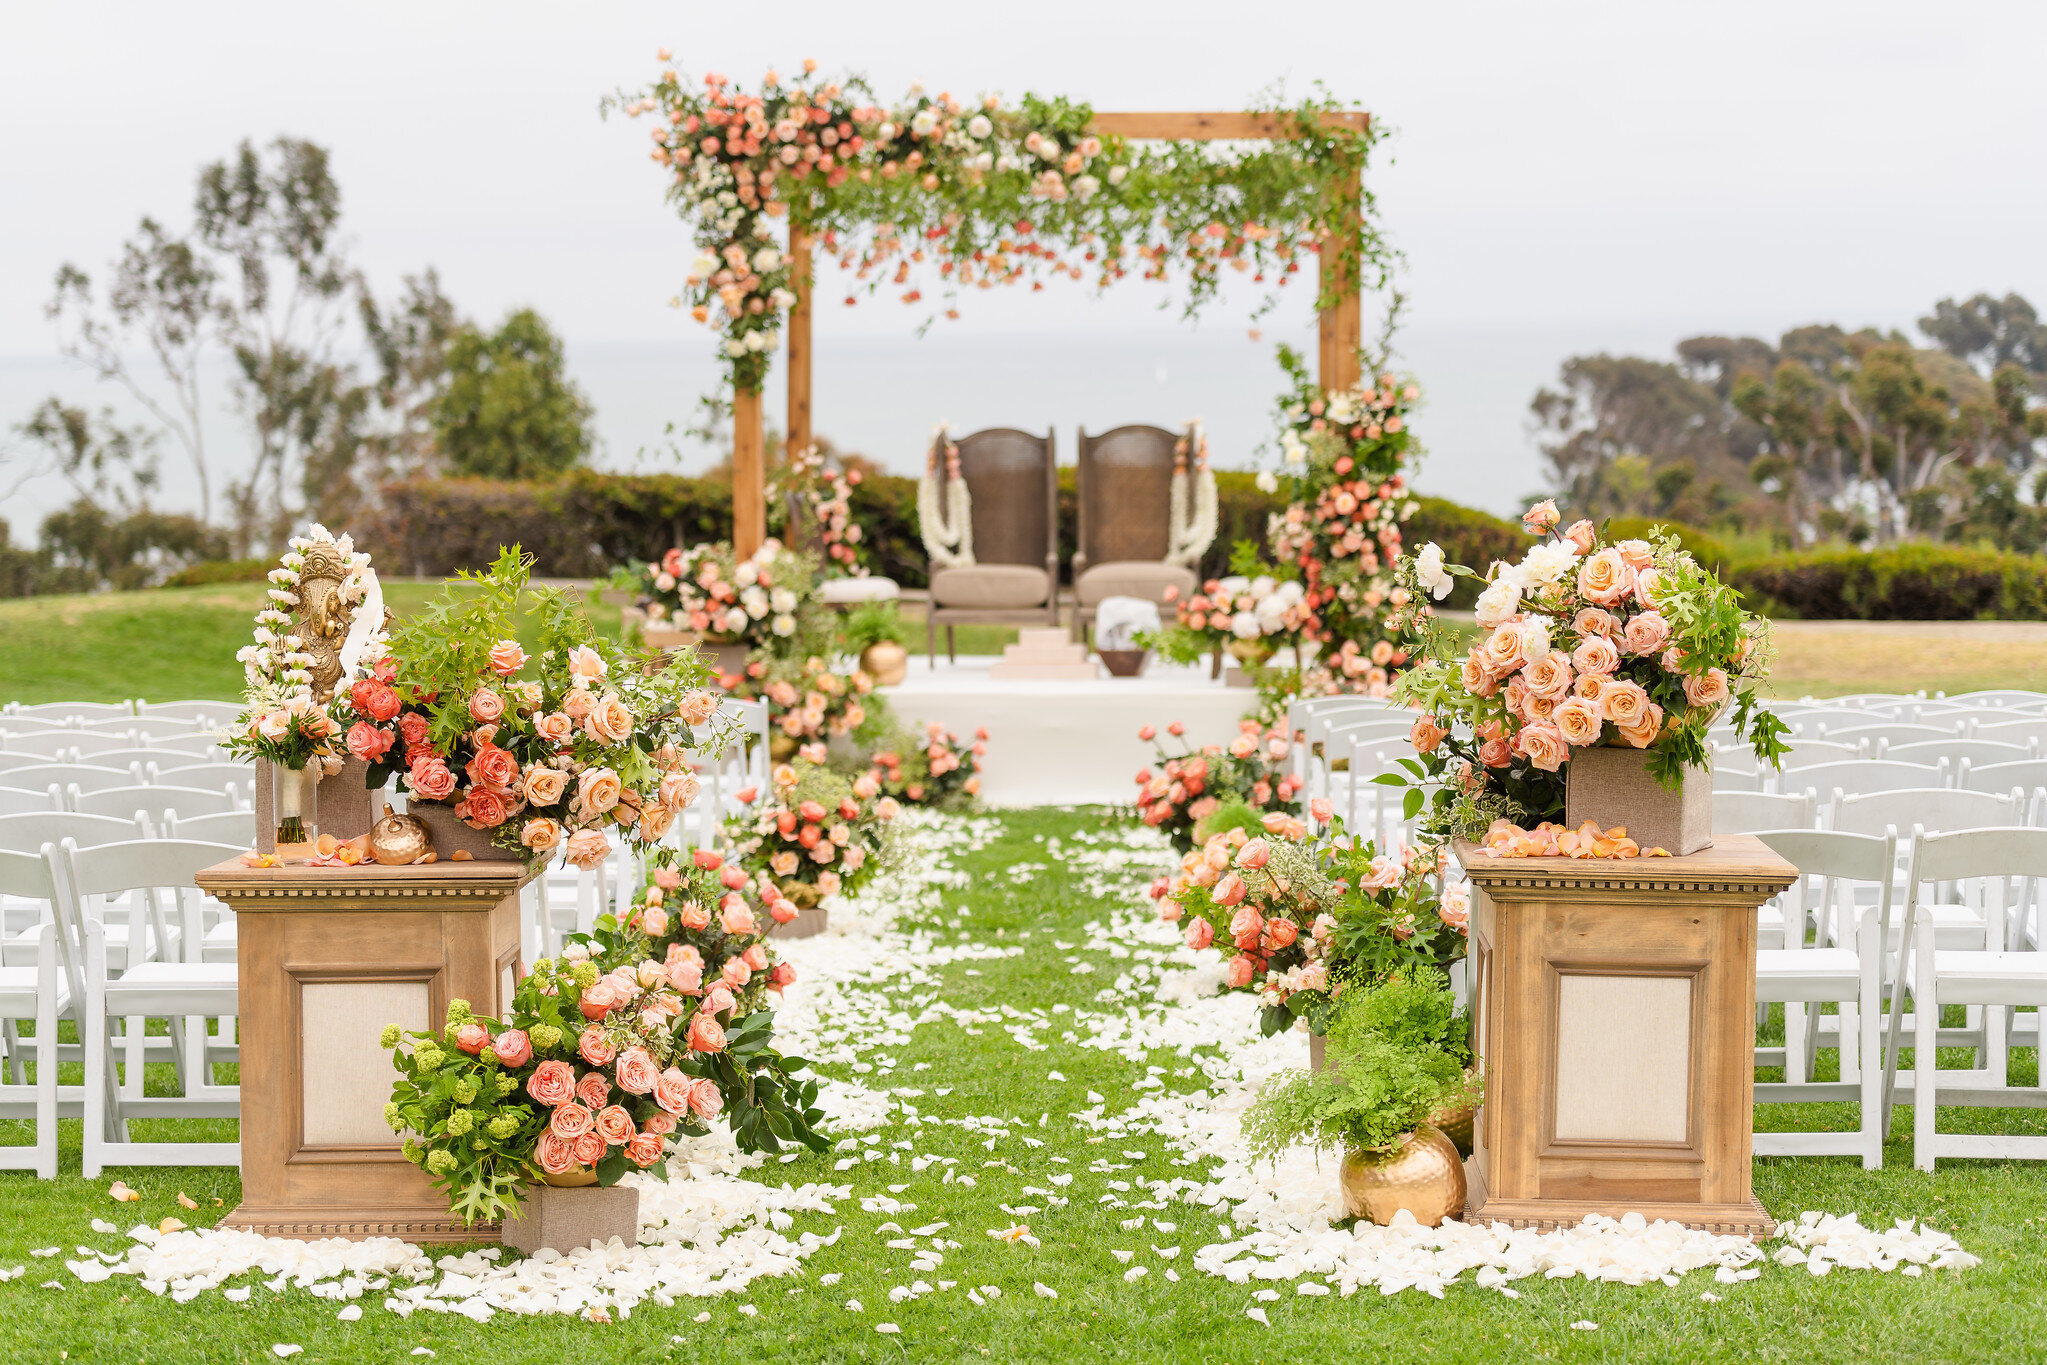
x: 1123, y: 1256
x: 352, y: 1313
x: 1257, y: 1315
x: 1044, y: 1291
x: 831, y: 1279
x: 1709, y: 1297
x: 1310, y: 1287
x: 853, y: 1306
x: 1134, y: 1274
x: 1266, y: 1295
x: 887, y: 1328
x: 240, y: 1295
x: 422, y: 1351
x: 285, y: 1352
x: 1581, y: 1325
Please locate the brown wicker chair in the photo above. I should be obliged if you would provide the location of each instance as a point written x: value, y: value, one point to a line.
x: 1125, y: 485
x: 1012, y: 477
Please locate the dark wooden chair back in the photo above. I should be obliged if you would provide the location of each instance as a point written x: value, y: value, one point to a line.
x: 1124, y: 482
x: 1013, y: 479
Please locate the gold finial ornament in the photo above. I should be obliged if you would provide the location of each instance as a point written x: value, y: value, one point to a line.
x: 399, y: 840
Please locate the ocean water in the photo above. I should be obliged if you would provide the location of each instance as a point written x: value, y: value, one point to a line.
x: 881, y: 396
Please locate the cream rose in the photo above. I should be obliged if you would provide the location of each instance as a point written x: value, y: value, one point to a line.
x: 610, y: 721
x: 544, y: 786
x: 1596, y: 654
x: 1593, y: 621
x: 1625, y: 703
x: 1605, y: 578
x: 1501, y: 599
x: 1708, y: 688
x: 1578, y: 720
x: 1647, y: 633
x: 541, y: 834
x: 1504, y: 650
x: 1550, y: 676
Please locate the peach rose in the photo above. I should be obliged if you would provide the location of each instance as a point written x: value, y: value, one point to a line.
x: 593, y: 1047
x: 1636, y: 553
x: 616, y: 1126
x: 1578, y: 721
x: 513, y: 1048
x: 737, y: 919
x: 1625, y: 703
x: 704, y: 1033
x: 578, y: 703
x: 1254, y: 854
x: 705, y: 1099
x: 589, y: 1148
x: 1475, y: 677
x: 1592, y: 687
x: 1550, y: 676
x: 553, y: 1155
x: 587, y: 665
x: 1543, y: 745
x: 1593, y: 621
x: 593, y: 1091
x: 507, y: 658
x: 540, y: 834
x: 485, y: 705
x: 610, y: 721
x: 1200, y: 933
x: 718, y: 1000
x: 545, y: 786
x: 1641, y: 731
x: 1542, y: 516
x: 636, y: 1071
x: 471, y: 1038
x: 671, y: 1091
x: 1504, y: 650
x: 695, y: 916
x: 1647, y: 584
x: 1229, y: 890
x: 598, y: 999
x: 698, y: 706
x: 588, y: 848
x: 552, y: 1083
x: 654, y: 823
x: 1239, y: 973
x: 1426, y: 735
x: 1708, y: 688
x: 679, y: 789
x: 1605, y: 578
x: 1495, y: 753
x: 1596, y: 654
x: 1647, y: 633
x: 483, y: 808
x: 430, y: 779
x: 555, y: 728
x: 1582, y: 534
x: 598, y: 790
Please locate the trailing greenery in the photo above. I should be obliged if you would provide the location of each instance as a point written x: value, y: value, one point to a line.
x: 1376, y: 1092
x: 872, y: 623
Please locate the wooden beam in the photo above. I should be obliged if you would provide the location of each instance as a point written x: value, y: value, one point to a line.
x: 1218, y: 125
x: 749, y: 474
x: 799, y: 342
x: 1340, y: 325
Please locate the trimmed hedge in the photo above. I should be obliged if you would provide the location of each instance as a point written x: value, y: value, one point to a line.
x: 1912, y: 582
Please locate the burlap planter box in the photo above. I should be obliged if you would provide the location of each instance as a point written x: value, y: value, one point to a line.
x: 807, y: 924
x: 569, y: 1219
x: 450, y: 835
x: 1613, y: 786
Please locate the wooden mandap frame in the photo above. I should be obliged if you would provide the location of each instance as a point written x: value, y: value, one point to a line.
x: 1339, y: 331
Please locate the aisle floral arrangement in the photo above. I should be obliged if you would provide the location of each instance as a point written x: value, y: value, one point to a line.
x: 1301, y: 916
x: 1245, y: 615
x: 642, y: 1029
x: 815, y: 497
x: 813, y: 834
x: 939, y: 771
x: 563, y: 751
x: 766, y: 602
x: 1191, y: 786
x: 1588, y: 642
x: 809, y: 702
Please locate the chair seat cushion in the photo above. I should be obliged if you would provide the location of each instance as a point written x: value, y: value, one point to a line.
x: 1147, y: 579
x: 991, y: 587
x: 1807, y: 974
x: 174, y: 988
x: 838, y: 591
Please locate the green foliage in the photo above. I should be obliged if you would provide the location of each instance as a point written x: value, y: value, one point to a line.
x: 1233, y: 813
x: 508, y: 410
x: 87, y: 548
x: 1413, y: 1008
x: 871, y: 623
x: 1375, y: 1092
x: 1916, y: 582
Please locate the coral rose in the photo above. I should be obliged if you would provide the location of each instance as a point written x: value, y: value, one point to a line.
x: 540, y: 834
x: 553, y: 1155
x: 1647, y: 633
x: 671, y: 1091
x: 430, y: 779
x: 685, y: 968
x: 486, y: 706
x: 705, y: 1035
x: 483, y: 808
x: 588, y: 848
x: 598, y: 790
x: 1229, y: 890
x: 593, y: 1091
x: 636, y: 1071
x: 705, y: 1099
x: 616, y: 1126
x: 513, y: 1048
x: 1625, y: 703
x: 1281, y: 933
x: 569, y: 1121
x: 1549, y: 677
x: 589, y: 1148
x: 644, y: 1149
x: 555, y: 728
x: 1543, y: 745
x: 594, y: 1048
x: 610, y: 721
x: 471, y: 1038
x: 1596, y: 654
x: 369, y: 742
x: 552, y: 1083
x: 1495, y: 753
x: 374, y: 699
x: 1200, y: 933
x: 1239, y: 972
x: 1425, y: 736
x: 600, y: 998
x: 1246, y: 926
x: 1578, y: 720
x: 493, y: 767
x: 736, y: 972
x: 1605, y: 578
x: 1708, y: 688
x: 507, y: 658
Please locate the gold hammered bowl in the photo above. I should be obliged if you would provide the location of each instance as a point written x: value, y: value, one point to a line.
x: 1422, y: 1174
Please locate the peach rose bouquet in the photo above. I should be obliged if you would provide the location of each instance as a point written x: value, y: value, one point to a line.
x: 814, y: 833
x: 1585, y: 641
x: 1299, y: 912
x: 564, y: 751
x: 768, y: 602
x: 1187, y: 789
x: 936, y: 769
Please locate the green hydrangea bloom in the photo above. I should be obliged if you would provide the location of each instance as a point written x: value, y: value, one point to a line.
x: 414, y: 1153
x: 459, y: 1013
x: 390, y: 1036
x: 585, y: 974
x: 506, y: 1083
x: 392, y: 1117
x: 440, y: 1162
x: 503, y: 1126
x: 429, y: 1058
x: 545, y: 1037
x: 465, y: 1090
x: 460, y: 1122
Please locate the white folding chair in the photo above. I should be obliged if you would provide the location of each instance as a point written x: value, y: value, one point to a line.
x: 17, y: 800
x: 73, y: 777
x: 1746, y: 812
x: 2001, y: 697
x: 237, y: 827
x: 154, y: 725
x: 2009, y: 974
x: 1811, y: 753
x: 12, y: 762
x: 50, y: 746
x: 203, y: 747
x: 1345, y: 730
x: 74, y: 711
x: 1994, y: 777
x: 1953, y: 752
x: 157, y: 802
x: 1803, y: 978
x: 185, y: 993
x: 1865, y: 776
x: 1889, y: 732
x: 242, y: 776
x: 216, y: 715
x: 2030, y: 732
x: 1303, y: 710
x: 39, y: 993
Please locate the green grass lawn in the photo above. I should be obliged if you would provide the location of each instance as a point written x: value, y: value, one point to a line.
x: 178, y: 644
x: 1013, y: 894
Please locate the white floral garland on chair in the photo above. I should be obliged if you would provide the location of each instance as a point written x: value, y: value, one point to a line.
x: 945, y: 516
x: 1193, y: 511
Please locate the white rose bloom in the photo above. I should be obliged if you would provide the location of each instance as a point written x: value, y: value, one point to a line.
x: 979, y: 126
x: 1501, y: 599
x: 886, y: 132
x: 785, y: 625
x: 1086, y: 186
x: 924, y: 122
x: 784, y: 601
x: 755, y: 603
x: 735, y: 348
x: 1262, y: 586
x: 1235, y: 584
x: 766, y: 259
x: 1116, y: 174
x: 1546, y: 565
x: 1535, y: 637
x: 664, y: 582
x: 1267, y: 481
x: 757, y: 341
x: 1428, y: 571
x: 702, y: 268
x: 1244, y: 626
x: 747, y: 574
x: 1292, y: 449
x: 735, y: 621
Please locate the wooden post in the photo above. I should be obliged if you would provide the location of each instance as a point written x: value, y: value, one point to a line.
x: 799, y: 341
x: 1340, y: 323
x: 749, y: 474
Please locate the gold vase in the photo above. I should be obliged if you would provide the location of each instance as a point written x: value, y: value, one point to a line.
x: 887, y: 662
x: 781, y: 747
x: 575, y: 1178
x: 1455, y: 1122
x: 1422, y: 1173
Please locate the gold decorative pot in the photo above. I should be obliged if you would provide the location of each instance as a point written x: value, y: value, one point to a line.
x: 803, y: 894
x: 781, y: 747
x: 575, y: 1178
x: 887, y: 662
x: 1421, y: 1173
x: 1455, y: 1122
x: 399, y: 840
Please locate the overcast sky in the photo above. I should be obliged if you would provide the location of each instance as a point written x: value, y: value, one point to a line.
x: 1560, y: 175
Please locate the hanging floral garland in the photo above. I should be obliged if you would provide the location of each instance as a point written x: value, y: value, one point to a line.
x: 981, y: 193
x: 1193, y: 510
x: 945, y: 509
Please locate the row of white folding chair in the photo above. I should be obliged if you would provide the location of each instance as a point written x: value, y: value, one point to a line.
x: 90, y: 777
x: 115, y: 750
x: 36, y: 992
x: 122, y: 801
x: 70, y: 710
x: 1310, y: 722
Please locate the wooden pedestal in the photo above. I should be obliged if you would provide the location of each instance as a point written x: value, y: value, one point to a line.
x: 328, y: 957
x: 1614, y: 1014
